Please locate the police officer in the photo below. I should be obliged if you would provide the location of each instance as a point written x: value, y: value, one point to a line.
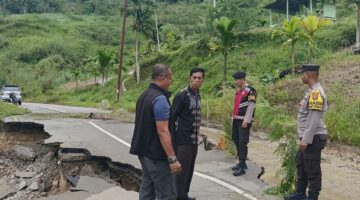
x: 312, y: 134
x: 243, y: 114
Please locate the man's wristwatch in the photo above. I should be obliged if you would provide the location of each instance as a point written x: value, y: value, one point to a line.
x: 172, y: 159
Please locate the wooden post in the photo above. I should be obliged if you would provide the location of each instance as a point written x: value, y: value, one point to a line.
x: 122, y: 43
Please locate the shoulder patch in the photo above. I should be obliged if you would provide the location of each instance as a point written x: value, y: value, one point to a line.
x: 252, y: 95
x: 316, y: 101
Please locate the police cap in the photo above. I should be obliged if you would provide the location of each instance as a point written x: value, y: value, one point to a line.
x: 310, y: 68
x: 239, y: 75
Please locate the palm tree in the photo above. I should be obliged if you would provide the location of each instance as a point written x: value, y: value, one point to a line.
x: 140, y: 9
x: 290, y: 33
x: 225, y: 38
x: 311, y: 24
x: 104, y: 60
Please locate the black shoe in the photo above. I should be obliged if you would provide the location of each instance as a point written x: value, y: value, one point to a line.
x: 244, y: 165
x: 187, y: 198
x: 240, y: 171
x: 295, y: 196
x: 235, y: 167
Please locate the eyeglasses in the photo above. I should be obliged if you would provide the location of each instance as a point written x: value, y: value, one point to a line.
x: 168, y: 77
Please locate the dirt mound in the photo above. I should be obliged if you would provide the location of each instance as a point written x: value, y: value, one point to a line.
x: 344, y: 77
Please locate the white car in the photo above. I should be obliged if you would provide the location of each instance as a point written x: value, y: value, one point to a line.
x: 11, y: 93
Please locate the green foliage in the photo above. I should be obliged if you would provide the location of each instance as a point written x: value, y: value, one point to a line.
x: 104, y: 59
x: 338, y: 36
x: 311, y: 25
x: 285, y: 96
x: 41, y: 52
x: 290, y: 33
x: 343, y: 117
x: 225, y: 38
x: 171, y: 42
x: 102, y: 7
x: 283, y: 130
x: 248, y: 13
x: 7, y: 109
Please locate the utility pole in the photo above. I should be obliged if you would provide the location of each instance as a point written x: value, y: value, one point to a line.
x: 118, y: 89
x: 287, y: 10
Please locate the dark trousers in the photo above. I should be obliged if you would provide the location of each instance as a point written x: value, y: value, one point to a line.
x: 240, y: 137
x: 186, y: 155
x: 157, y: 180
x: 308, y: 167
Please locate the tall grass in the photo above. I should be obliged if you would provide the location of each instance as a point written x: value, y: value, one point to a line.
x: 7, y: 109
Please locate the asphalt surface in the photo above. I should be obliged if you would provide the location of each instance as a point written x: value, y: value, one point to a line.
x: 212, y: 180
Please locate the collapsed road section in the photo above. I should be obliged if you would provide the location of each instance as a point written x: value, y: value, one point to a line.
x: 30, y: 169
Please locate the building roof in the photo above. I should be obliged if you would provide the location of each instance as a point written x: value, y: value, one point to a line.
x: 280, y: 5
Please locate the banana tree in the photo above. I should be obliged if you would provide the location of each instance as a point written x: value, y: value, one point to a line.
x: 290, y: 33
x: 311, y: 24
x: 225, y: 38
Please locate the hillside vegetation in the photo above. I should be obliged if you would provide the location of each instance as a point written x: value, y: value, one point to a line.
x: 43, y: 48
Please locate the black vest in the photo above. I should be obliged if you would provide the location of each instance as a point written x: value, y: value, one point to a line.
x: 145, y: 141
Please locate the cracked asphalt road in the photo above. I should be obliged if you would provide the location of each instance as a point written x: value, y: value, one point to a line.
x: 212, y: 179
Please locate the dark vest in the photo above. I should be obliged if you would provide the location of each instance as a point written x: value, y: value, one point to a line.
x: 145, y: 141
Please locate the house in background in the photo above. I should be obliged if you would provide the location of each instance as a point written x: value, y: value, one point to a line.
x: 326, y: 8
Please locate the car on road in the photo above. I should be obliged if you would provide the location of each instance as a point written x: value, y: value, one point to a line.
x: 11, y: 93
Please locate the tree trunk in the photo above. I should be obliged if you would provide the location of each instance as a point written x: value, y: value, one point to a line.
x: 293, y: 58
x: 24, y: 7
x: 157, y: 29
x: 225, y: 65
x: 137, y: 60
x: 358, y: 27
x: 95, y: 79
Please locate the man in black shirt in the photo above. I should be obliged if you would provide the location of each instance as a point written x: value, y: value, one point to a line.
x: 152, y: 142
x: 185, y: 124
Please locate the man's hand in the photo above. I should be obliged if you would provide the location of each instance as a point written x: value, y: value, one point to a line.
x: 244, y: 124
x: 302, y: 146
x: 175, y: 167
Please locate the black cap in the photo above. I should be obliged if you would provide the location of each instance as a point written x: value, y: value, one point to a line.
x: 239, y: 75
x: 310, y: 68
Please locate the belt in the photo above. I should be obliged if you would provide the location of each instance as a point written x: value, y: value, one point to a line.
x: 241, y: 117
x: 238, y: 117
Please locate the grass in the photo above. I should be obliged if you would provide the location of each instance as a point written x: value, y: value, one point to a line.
x: 7, y: 109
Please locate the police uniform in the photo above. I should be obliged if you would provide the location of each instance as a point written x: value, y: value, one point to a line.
x: 244, y: 108
x: 311, y: 131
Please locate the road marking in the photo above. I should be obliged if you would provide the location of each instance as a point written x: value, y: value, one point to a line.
x: 109, y: 134
x: 210, y: 178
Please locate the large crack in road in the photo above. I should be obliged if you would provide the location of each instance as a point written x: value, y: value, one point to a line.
x: 30, y: 169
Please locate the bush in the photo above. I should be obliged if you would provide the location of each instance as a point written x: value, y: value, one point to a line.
x: 3, y: 42
x: 337, y: 36
x: 285, y: 96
